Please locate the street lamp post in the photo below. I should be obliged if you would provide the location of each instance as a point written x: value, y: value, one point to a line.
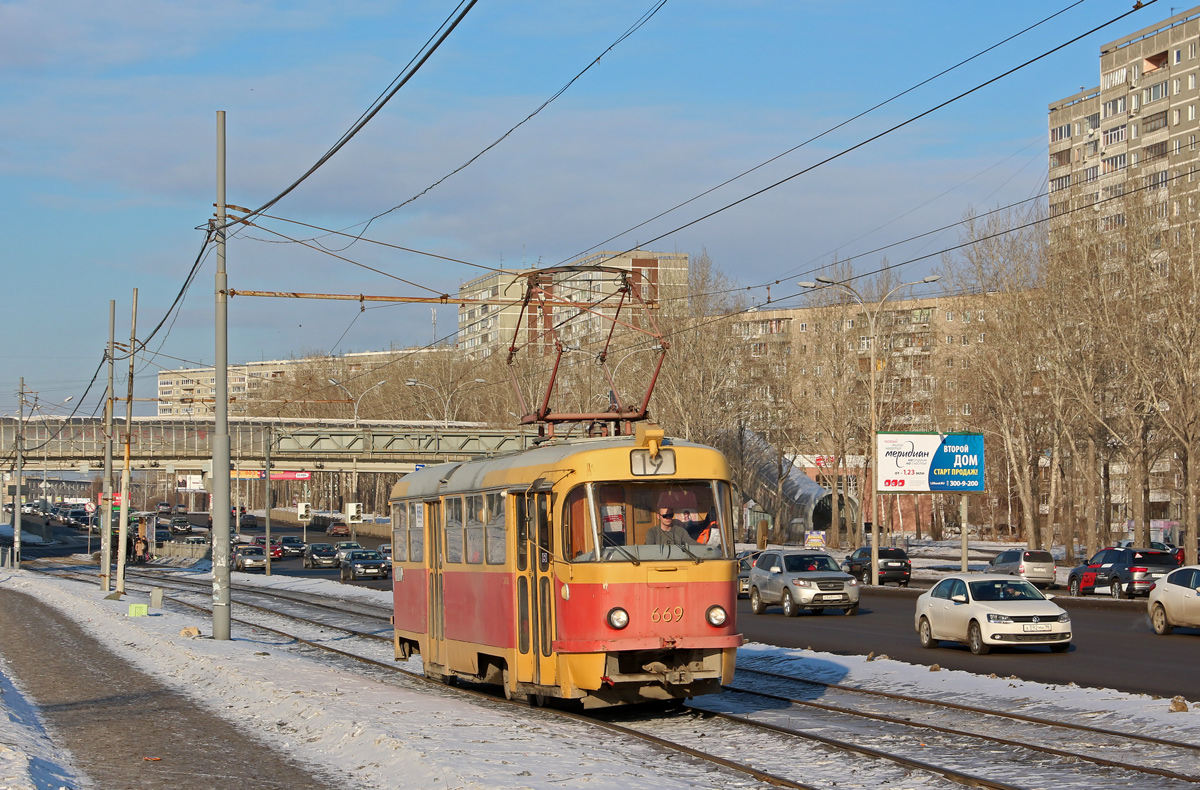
x: 445, y: 399
x: 872, y: 317
x: 354, y: 459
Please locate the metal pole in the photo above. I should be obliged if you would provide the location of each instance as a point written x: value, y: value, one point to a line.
x: 267, y: 465
x: 123, y: 534
x: 874, y: 457
x: 220, y: 460
x: 106, y: 516
x: 962, y: 526
x: 18, y: 444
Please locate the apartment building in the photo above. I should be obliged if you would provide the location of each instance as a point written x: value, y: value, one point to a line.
x: 484, y: 328
x: 191, y: 390
x: 1134, y: 134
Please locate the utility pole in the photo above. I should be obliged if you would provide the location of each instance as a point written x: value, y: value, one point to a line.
x: 267, y: 465
x: 106, y: 515
x: 222, y: 617
x: 123, y: 535
x: 18, y: 445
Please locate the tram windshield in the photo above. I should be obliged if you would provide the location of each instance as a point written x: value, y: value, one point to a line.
x: 639, y: 522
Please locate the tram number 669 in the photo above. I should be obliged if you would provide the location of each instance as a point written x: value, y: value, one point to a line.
x: 666, y: 615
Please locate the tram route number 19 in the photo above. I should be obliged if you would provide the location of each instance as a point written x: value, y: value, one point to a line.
x: 667, y: 614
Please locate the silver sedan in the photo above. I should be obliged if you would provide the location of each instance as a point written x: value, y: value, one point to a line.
x: 986, y: 610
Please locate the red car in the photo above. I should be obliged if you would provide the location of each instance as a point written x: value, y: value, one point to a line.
x: 276, y: 549
x: 338, y: 528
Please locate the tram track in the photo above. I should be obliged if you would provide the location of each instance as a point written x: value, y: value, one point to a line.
x: 730, y: 730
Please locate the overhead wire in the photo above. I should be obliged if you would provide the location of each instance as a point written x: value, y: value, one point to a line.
x: 830, y: 130
x: 888, y: 130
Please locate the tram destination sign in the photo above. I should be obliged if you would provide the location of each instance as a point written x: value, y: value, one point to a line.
x: 920, y: 463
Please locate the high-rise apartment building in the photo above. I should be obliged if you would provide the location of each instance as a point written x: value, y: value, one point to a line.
x: 1135, y: 134
x: 484, y: 328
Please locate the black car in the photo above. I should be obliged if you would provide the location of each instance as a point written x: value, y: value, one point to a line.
x: 180, y: 525
x: 292, y: 546
x: 1121, y: 572
x: 320, y: 555
x: 894, y: 565
x: 365, y: 563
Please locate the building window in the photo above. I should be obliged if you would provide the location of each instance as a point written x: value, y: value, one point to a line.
x: 950, y: 362
x: 1091, y: 174
x: 1154, y: 92
x: 1178, y: 146
x: 981, y: 336
x: 803, y: 327
x: 949, y: 340
x: 1192, y: 82
x: 966, y: 409
x: 1116, y: 134
x: 1156, y: 180
x: 1113, y: 164
x: 1112, y: 79
x: 1192, y: 51
x: 1152, y: 152
x: 965, y: 341
x: 1062, y: 182
x: 1175, y: 117
x: 950, y: 411
x: 1178, y: 59
x: 1191, y: 112
x: 1155, y: 122
x: 949, y: 315
x: 1060, y: 158
x: 966, y: 316
x: 1114, y: 107
x: 1060, y: 133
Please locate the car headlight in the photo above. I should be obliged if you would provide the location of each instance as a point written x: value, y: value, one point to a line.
x: 618, y: 618
x: 999, y: 618
x: 852, y: 582
x: 802, y: 582
x: 716, y: 615
x: 1064, y: 618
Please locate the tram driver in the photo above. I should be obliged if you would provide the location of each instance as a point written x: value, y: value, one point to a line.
x: 668, y: 530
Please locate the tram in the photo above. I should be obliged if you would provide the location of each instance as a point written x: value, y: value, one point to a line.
x: 549, y: 571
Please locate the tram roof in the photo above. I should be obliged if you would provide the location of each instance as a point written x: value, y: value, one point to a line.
x: 470, y: 475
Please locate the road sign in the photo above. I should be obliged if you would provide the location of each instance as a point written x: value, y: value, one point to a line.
x: 814, y: 539
x: 90, y: 507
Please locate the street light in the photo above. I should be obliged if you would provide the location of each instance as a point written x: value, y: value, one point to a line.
x: 338, y: 384
x: 447, y: 399
x: 872, y: 316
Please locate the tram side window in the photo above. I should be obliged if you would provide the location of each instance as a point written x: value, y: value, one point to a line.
x: 494, y: 531
x: 454, y: 529
x: 416, y: 531
x: 577, y: 538
x: 399, y: 531
x: 474, y: 507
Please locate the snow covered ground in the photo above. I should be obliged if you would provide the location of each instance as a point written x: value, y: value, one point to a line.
x: 377, y: 735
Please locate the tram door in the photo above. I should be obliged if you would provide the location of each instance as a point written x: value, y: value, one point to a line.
x: 437, y: 610
x: 535, y: 587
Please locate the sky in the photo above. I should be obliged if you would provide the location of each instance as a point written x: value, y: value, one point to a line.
x: 108, y: 153
x: 347, y: 724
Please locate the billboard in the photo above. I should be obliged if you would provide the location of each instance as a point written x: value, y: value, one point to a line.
x: 920, y: 463
x: 186, y: 484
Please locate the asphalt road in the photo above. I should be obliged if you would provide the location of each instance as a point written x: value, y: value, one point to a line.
x: 1114, y: 645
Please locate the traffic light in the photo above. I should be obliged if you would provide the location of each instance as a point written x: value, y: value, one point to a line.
x: 354, y: 513
x: 304, y: 512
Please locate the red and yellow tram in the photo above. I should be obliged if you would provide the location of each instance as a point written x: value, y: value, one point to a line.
x: 542, y: 571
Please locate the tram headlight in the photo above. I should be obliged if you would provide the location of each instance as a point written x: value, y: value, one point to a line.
x: 716, y: 615
x: 618, y: 618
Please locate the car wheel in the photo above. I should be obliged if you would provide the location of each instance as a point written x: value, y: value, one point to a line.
x: 756, y: 602
x: 852, y: 611
x: 925, y: 632
x: 975, y: 640
x: 1073, y: 587
x: 1115, y: 589
x: 903, y: 584
x: 1060, y: 647
x: 1158, y: 618
x: 789, y: 606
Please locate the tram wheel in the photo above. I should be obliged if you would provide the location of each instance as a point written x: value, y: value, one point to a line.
x: 512, y: 694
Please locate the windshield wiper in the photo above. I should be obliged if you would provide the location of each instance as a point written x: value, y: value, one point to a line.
x: 620, y: 547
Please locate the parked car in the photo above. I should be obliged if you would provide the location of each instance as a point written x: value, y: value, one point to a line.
x: 894, y: 565
x: 250, y: 558
x: 986, y: 610
x: 1175, y: 600
x: 365, y: 563
x: 1122, y: 573
x: 180, y: 525
x: 745, y: 563
x: 338, y: 528
x: 320, y: 555
x: 1034, y: 566
x: 291, y: 545
x: 1154, y: 544
x: 801, y: 580
x: 343, y: 548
